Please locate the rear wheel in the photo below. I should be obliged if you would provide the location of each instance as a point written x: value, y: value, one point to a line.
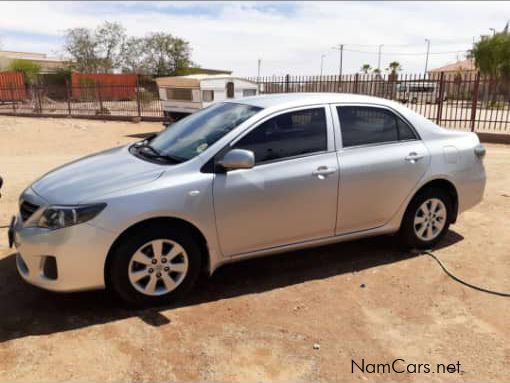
x: 157, y: 265
x: 426, y: 219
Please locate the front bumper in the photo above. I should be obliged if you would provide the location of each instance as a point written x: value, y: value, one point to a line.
x: 79, y: 254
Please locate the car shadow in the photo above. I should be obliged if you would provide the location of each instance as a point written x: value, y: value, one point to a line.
x: 26, y: 310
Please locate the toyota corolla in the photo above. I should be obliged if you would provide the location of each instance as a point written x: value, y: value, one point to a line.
x: 240, y: 179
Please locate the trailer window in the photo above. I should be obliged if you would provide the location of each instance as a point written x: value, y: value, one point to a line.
x: 249, y: 92
x: 230, y: 89
x: 183, y: 94
x: 208, y: 95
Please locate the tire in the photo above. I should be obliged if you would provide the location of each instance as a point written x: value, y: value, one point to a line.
x: 411, y: 226
x: 141, y: 278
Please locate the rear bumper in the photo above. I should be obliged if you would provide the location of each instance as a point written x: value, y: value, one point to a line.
x: 471, y: 188
x: 79, y: 254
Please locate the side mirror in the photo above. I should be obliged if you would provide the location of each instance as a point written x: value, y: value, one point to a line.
x: 238, y: 159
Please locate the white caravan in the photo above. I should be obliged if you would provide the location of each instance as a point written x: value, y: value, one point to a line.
x: 183, y: 95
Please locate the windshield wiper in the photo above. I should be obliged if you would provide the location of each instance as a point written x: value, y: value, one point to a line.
x: 157, y: 154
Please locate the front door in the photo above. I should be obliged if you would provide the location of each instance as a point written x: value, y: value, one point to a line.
x: 290, y: 195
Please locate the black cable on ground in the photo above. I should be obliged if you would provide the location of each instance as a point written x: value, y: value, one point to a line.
x: 455, y: 278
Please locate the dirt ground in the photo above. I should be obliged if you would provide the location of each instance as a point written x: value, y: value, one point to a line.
x: 297, y: 317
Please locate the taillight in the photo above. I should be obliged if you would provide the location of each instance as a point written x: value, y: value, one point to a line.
x: 480, y: 150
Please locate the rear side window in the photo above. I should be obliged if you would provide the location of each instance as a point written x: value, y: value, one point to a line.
x: 287, y: 135
x: 362, y: 125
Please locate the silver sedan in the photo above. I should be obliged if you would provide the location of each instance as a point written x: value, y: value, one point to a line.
x: 242, y: 179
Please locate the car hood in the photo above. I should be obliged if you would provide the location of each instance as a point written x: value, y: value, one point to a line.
x: 93, y: 176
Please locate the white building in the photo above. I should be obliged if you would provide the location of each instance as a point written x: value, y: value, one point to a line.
x: 183, y: 95
x: 48, y: 64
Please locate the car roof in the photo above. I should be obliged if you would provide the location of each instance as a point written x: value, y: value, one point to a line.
x: 302, y: 99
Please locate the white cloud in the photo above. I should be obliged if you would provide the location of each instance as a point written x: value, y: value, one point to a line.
x: 289, y: 37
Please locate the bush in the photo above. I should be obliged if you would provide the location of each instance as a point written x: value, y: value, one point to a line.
x: 146, y: 97
x: 29, y: 69
x: 87, y: 89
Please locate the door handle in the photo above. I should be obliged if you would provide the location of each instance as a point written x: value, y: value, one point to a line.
x: 413, y: 157
x: 323, y: 171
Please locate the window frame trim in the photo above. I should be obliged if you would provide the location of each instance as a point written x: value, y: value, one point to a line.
x: 330, y: 134
x: 338, y: 127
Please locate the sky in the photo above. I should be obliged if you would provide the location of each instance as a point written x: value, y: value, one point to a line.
x: 288, y: 37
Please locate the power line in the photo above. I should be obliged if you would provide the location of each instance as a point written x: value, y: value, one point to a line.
x: 404, y: 53
x: 408, y: 45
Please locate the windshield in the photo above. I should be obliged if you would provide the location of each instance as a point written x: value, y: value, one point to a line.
x: 192, y: 135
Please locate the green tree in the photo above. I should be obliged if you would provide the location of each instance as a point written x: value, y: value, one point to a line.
x: 394, y: 67
x: 96, y: 51
x: 492, y: 55
x: 158, y: 54
x: 108, y: 47
x: 365, y: 68
x: 110, y: 39
x: 29, y: 69
x: 82, y: 47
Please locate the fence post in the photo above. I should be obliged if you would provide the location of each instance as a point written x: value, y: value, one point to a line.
x: 98, y: 86
x: 440, y: 99
x: 356, y: 79
x: 287, y: 79
x: 139, y: 108
x: 12, y: 98
x: 474, y: 101
x: 38, y: 88
x: 68, y: 93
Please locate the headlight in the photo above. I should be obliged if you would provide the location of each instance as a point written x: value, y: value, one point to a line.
x: 57, y: 217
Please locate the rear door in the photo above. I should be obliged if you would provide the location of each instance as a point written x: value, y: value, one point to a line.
x: 381, y: 160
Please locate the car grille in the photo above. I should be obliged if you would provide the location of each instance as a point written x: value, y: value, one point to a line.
x: 26, y: 210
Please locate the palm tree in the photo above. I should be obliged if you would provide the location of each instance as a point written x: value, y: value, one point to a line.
x: 394, y: 68
x: 365, y: 68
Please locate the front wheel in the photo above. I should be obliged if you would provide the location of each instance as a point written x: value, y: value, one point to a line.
x: 157, y: 265
x: 427, y: 219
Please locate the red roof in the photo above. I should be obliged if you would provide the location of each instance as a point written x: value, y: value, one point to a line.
x: 460, y: 66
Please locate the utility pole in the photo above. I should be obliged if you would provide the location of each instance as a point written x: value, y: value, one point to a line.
x: 258, y: 75
x: 322, y: 63
x: 341, y: 60
x: 340, y: 48
x: 379, y: 57
x: 427, y: 56
x: 493, y: 31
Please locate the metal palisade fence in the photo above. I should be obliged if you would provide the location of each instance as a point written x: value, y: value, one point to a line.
x: 86, y: 99
x: 467, y: 101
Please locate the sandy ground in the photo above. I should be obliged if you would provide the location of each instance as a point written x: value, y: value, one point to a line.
x: 259, y: 320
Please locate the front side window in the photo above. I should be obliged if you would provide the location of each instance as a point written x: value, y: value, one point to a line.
x: 192, y: 135
x: 361, y: 125
x: 287, y: 135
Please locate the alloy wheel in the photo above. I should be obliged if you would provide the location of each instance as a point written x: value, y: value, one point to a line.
x: 158, y: 267
x: 430, y: 219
